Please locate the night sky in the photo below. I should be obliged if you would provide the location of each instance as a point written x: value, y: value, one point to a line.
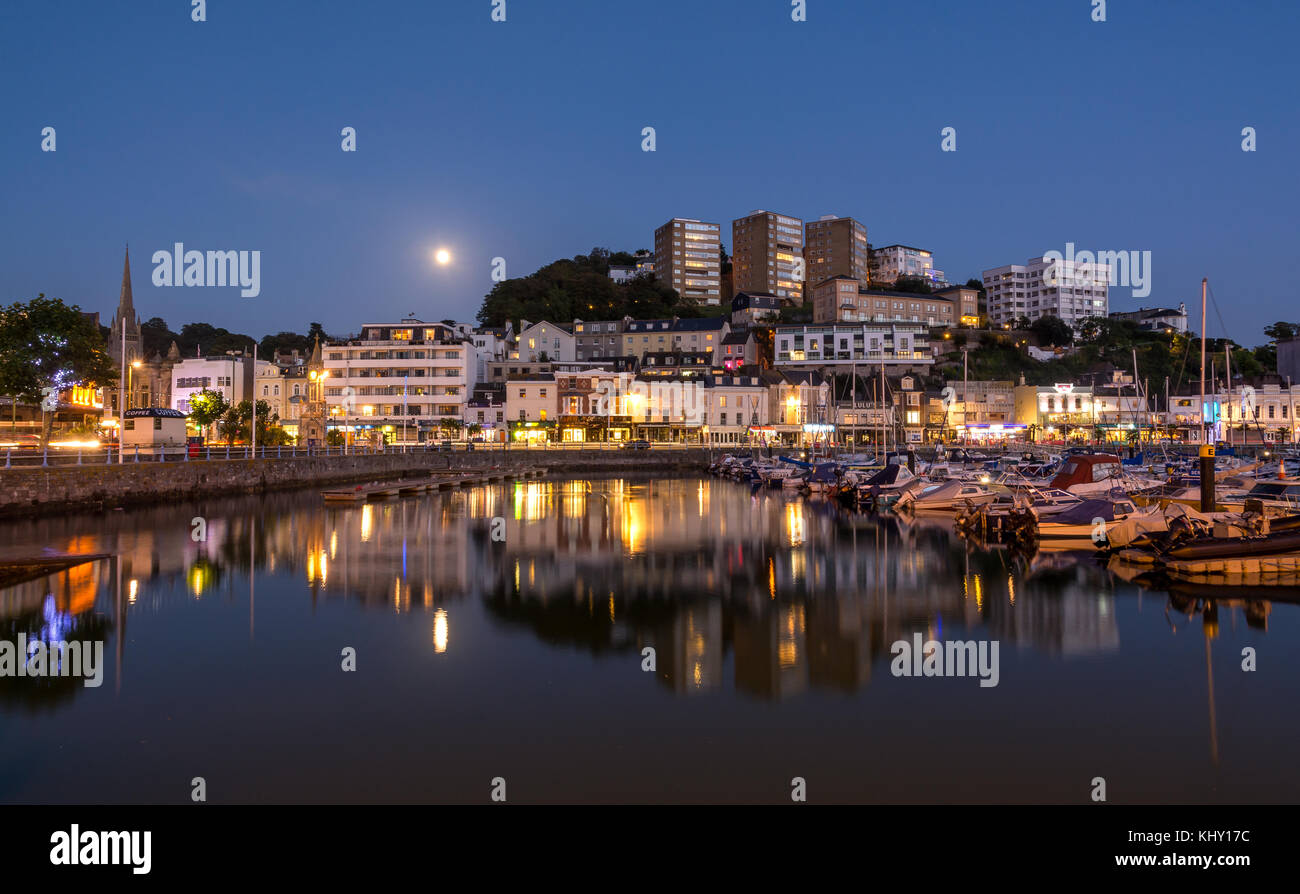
x: 523, y: 139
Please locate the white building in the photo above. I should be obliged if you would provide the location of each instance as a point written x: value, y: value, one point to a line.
x: 891, y: 262
x: 732, y: 406
x: 553, y: 341
x: 231, y: 374
x: 842, y: 345
x: 1043, y: 288
x: 490, y: 343
x: 399, y: 380
x: 1156, y: 319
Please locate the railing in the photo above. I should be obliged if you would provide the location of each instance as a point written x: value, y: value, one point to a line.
x: 16, y: 458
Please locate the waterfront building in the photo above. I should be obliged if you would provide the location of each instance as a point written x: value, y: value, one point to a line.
x: 532, y: 404
x: 1041, y: 287
x: 836, y: 246
x: 1059, y: 412
x: 889, y: 263
x: 981, y: 411
x: 767, y: 255
x: 230, y: 374
x: 1260, y: 412
x: 735, y: 408
x: 486, y: 408
x: 402, y: 382
x: 688, y: 259
x: 800, y: 410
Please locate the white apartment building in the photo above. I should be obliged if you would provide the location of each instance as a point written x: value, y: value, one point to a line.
x: 1042, y: 288
x: 398, y: 379
x: 231, y: 374
x: 687, y: 258
x: 845, y: 344
x: 890, y: 262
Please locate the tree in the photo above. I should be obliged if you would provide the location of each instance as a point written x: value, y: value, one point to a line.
x: 207, y: 407
x: 155, y: 337
x: 47, y: 346
x: 1052, y: 330
x: 1281, y: 331
x: 915, y: 284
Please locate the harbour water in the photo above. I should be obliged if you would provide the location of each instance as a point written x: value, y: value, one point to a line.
x: 502, y: 632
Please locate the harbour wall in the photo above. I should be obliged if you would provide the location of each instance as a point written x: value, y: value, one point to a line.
x: 33, y: 491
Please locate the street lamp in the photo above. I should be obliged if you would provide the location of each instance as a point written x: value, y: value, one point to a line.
x: 135, y: 364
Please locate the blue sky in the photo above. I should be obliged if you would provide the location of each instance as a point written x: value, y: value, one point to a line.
x: 522, y: 140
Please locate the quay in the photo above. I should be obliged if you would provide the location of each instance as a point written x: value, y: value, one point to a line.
x: 436, y: 482
x: 31, y: 491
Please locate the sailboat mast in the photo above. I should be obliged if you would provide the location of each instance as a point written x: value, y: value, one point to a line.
x: 1204, y: 426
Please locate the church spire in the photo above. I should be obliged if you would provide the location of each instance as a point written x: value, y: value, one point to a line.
x: 124, y: 303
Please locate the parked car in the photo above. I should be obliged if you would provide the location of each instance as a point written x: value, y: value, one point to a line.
x: 641, y: 444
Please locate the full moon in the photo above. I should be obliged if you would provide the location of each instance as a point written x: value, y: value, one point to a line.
x: 442, y: 256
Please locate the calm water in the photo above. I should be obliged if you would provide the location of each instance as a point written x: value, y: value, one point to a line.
x: 771, y: 617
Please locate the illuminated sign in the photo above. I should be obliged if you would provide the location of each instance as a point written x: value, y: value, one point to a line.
x: 1063, y: 389
x: 84, y: 396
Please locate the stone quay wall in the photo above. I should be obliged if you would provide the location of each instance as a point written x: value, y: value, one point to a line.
x: 32, y: 491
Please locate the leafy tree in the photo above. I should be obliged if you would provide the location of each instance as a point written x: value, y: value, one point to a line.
x: 1052, y: 330
x: 1281, y: 331
x: 208, y: 406
x: 47, y: 346
x: 155, y: 337
x: 206, y: 339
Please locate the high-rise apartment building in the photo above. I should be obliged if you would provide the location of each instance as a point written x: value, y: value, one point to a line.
x: 767, y: 254
x: 1043, y: 288
x: 688, y: 258
x: 836, y: 246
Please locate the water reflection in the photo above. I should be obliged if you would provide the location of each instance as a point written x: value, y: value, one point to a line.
x: 473, y: 599
x: 797, y: 593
